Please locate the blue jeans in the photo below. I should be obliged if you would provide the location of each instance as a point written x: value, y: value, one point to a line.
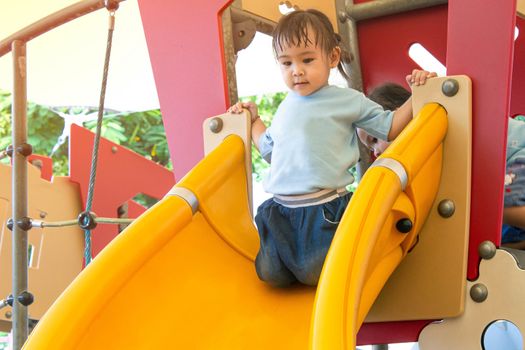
x: 295, y: 241
x: 511, y: 234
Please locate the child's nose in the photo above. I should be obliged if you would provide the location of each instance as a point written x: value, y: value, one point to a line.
x: 297, y: 71
x: 377, y: 152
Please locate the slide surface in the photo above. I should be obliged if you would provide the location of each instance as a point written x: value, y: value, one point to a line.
x: 173, y: 280
x: 181, y: 278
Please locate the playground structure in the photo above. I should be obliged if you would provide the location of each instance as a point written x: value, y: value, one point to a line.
x: 172, y: 225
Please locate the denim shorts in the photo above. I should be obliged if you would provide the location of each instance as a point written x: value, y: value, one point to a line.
x: 515, y: 184
x: 295, y: 241
x: 512, y: 234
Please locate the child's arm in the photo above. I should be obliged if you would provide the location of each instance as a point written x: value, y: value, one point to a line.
x: 403, y: 115
x: 514, y: 216
x: 258, y: 127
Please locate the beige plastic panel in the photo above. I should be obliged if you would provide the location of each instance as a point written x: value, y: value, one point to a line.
x: 520, y: 8
x: 270, y: 8
x: 232, y: 124
x: 505, y: 282
x: 430, y: 282
x: 57, y: 252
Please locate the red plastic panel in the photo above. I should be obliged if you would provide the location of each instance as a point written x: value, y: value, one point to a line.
x: 390, y: 333
x: 384, y: 43
x: 480, y: 45
x: 135, y: 209
x: 185, y: 47
x: 121, y: 174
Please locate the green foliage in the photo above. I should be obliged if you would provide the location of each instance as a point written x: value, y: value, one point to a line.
x: 142, y: 132
x: 44, y: 126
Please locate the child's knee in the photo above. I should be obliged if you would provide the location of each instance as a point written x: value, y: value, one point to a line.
x: 310, y: 273
x: 273, y: 275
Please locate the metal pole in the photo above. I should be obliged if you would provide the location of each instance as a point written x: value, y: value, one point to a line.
x: 19, y: 192
x: 348, y: 31
x: 379, y: 8
x: 54, y: 20
x: 357, y: 76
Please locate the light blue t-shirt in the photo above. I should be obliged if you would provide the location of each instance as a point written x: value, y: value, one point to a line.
x: 312, y: 142
x: 515, y: 140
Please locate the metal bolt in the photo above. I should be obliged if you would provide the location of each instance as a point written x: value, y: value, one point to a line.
x: 25, y: 149
x: 87, y: 220
x: 9, y: 150
x: 24, y: 223
x: 450, y: 87
x: 241, y: 33
x: 404, y: 225
x: 342, y: 16
x: 114, y: 149
x: 8, y: 314
x: 479, y: 292
x: 446, y: 208
x: 215, y: 125
x: 9, y: 224
x: 111, y: 5
x: 25, y: 298
x: 487, y: 250
x: 43, y: 215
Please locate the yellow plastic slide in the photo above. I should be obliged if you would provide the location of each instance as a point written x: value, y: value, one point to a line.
x: 182, y: 275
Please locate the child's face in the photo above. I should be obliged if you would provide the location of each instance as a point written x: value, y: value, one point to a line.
x: 372, y: 143
x: 305, y: 69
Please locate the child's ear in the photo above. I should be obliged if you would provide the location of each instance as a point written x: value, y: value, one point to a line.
x: 335, y: 57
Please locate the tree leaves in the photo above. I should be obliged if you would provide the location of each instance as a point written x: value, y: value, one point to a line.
x: 43, y: 125
x: 142, y: 132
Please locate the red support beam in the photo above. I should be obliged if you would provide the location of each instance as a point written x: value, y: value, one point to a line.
x: 185, y: 47
x: 517, y: 101
x: 480, y: 45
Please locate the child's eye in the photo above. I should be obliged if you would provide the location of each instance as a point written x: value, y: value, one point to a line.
x: 286, y: 63
x: 308, y: 60
x: 374, y: 140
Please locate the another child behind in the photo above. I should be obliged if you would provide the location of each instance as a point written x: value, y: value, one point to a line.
x: 390, y: 96
x: 514, y: 195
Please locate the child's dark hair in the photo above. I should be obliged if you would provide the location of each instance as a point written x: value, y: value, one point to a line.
x: 292, y: 30
x: 389, y: 95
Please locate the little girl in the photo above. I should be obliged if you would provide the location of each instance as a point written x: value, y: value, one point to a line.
x: 311, y: 146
